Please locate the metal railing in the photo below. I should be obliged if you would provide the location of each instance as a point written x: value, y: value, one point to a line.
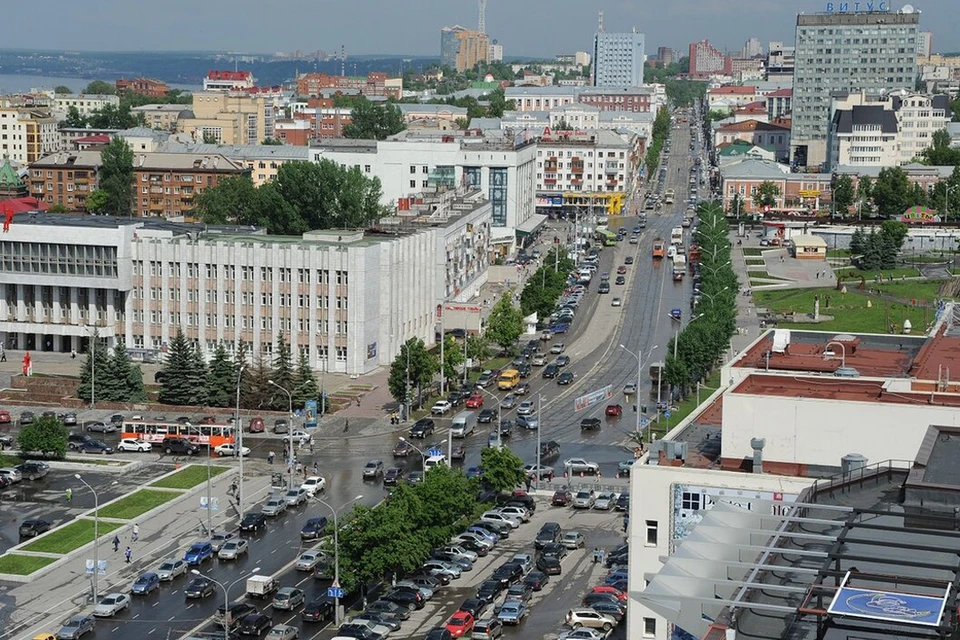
x: 855, y: 478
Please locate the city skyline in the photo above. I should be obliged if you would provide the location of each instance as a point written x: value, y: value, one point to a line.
x: 567, y: 26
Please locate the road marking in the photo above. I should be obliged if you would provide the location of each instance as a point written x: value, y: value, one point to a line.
x: 136, y: 616
x: 155, y: 604
x: 114, y: 630
x: 171, y: 618
x: 151, y: 631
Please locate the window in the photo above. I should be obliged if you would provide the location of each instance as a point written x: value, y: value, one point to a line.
x: 341, y: 354
x: 652, y: 532
x: 413, y: 169
x: 690, y: 501
x: 649, y: 627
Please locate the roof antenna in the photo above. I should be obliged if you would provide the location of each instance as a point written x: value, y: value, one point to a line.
x: 600, y: 26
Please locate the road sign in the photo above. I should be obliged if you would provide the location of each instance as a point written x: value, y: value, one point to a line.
x: 334, y: 592
x: 666, y: 414
x: 434, y: 452
x: 101, y: 567
x: 644, y: 421
x: 592, y: 398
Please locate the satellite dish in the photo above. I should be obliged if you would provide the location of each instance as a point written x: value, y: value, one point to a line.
x: 907, y: 8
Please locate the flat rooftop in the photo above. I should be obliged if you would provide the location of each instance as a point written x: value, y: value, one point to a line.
x: 833, y: 388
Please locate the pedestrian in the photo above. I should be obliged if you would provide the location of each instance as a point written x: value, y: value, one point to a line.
x: 127, y: 554
x: 529, y: 482
x: 136, y: 532
x: 346, y: 425
x: 596, y: 555
x: 270, y: 456
x: 781, y: 259
x: 626, y: 522
x: 358, y: 401
x: 818, y: 275
x: 73, y: 354
x: 316, y: 469
x: 3, y: 354
x: 311, y: 445
x: 69, y: 494
x: 297, y: 469
x: 116, y: 543
x: 603, y: 555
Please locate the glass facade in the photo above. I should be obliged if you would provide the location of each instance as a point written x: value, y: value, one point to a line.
x: 498, y: 195
x: 58, y: 259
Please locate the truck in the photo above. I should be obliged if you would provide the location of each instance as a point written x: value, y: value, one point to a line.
x: 679, y: 266
x: 676, y: 235
x: 668, y: 196
x: 261, y: 586
x: 659, y: 250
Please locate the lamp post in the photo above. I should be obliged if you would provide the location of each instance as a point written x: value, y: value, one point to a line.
x: 290, y: 436
x: 639, y: 374
x: 96, y: 535
x: 423, y: 458
x: 336, y: 554
x: 716, y: 293
x: 226, y: 596
x: 239, y: 427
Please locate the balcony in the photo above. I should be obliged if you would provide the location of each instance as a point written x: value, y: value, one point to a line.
x: 576, y: 181
x: 613, y: 167
x: 576, y: 168
x: 550, y: 180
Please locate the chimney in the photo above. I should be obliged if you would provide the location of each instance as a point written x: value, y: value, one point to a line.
x: 758, y: 444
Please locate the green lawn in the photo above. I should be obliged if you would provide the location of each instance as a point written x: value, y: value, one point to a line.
x: 189, y: 477
x: 70, y: 537
x: 752, y: 251
x: 136, y: 504
x: 7, y: 460
x: 838, y: 253
x: 908, y: 272
x: 924, y: 291
x: 850, y: 311
x: 23, y: 565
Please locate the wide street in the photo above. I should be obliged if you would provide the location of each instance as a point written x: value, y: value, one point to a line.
x: 642, y: 325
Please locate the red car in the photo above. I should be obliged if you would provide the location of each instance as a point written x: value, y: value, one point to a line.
x: 475, y: 401
x: 257, y: 425
x: 614, y: 410
x: 460, y: 624
x: 621, y: 595
x: 621, y: 270
x: 561, y: 498
x: 5, y: 417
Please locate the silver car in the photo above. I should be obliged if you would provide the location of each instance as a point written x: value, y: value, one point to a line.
x: 75, y: 627
x: 111, y: 604
x: 308, y: 560
x: 171, y: 568
x: 295, y: 497
x: 233, y: 549
x: 274, y: 507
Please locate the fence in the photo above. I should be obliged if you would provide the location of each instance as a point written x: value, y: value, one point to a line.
x: 855, y: 478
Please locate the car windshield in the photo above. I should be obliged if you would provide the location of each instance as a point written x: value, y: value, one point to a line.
x: 167, y: 566
x: 111, y: 600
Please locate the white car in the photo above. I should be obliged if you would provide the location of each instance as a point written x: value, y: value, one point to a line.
x: 582, y: 633
x: 519, y: 513
x: 460, y: 552
x: 500, y: 518
x: 630, y: 389
x: 576, y: 465
x: 440, y: 408
x: 298, y: 436
x: 313, y: 484
x: 539, y: 360
x: 230, y: 449
x: 171, y: 568
x: 616, y: 302
x: 11, y: 474
x: 605, y: 501
x: 474, y: 538
x: 111, y: 604
x: 526, y: 408
x: 283, y: 632
x: 134, y: 444
x: 233, y: 549
x: 582, y: 617
x: 557, y: 348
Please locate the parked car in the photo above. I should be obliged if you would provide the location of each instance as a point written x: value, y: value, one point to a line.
x: 26, y: 417
x: 135, y: 445
x: 577, y: 618
x: 146, y: 583
x: 623, y: 502
x: 561, y: 498
x: 605, y: 501
x: 11, y: 475
x: 257, y: 425
x: 95, y: 446
x: 308, y: 560
x: 76, y: 627
x: 33, y: 469
x: 573, y: 540
x: 584, y: 499
x: 553, y: 549
x: 536, y: 580
x: 171, y: 568
x: 111, y: 604
x: 512, y: 612
x: 281, y: 425
x: 460, y: 623
x: 549, y: 565
x: 5, y: 417
x: 33, y: 527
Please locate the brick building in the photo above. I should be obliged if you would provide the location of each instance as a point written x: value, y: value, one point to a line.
x: 633, y: 99
x: 374, y: 85
x: 144, y: 86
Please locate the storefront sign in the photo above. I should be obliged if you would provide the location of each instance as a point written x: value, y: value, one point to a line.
x: 857, y: 7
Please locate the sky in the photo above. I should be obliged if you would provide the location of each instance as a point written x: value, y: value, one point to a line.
x: 539, y: 28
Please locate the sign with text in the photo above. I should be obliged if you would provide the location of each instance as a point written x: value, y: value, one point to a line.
x: 592, y: 398
x: 857, y: 7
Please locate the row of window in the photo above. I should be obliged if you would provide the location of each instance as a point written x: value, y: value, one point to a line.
x: 550, y: 153
x: 323, y: 352
x: 247, y: 273
x: 246, y: 297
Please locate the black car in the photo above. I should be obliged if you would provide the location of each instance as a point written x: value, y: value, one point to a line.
x: 255, y: 624
x: 26, y: 417
x: 562, y: 361
x: 458, y: 452
x: 384, y: 607
x: 471, y: 545
x: 525, y: 500
x: 455, y: 399
x: 422, y: 428
x: 565, y: 378
x: 442, y: 578
x: 33, y: 527
x: 404, y: 598
x: 550, y: 449
x: 536, y: 580
x: 524, y: 370
x: 94, y: 446
x: 590, y: 424
x: 621, y: 280
x: 506, y: 428
x: 490, y: 590
x: 551, y: 371
x: 554, y: 549
x: 312, y: 529
x: 199, y: 587
x: 33, y: 469
x: 74, y: 440
x: 253, y: 522
x: 179, y: 447
x: 615, y: 610
x: 623, y: 502
x: 392, y: 477
x: 487, y: 415
x: 403, y: 449
x: 593, y: 599
x: 474, y: 606
x: 500, y: 528
x: 235, y: 614
x: 550, y: 532
x: 508, y: 574
x: 439, y: 633
x: 317, y: 610
x: 549, y: 565
x: 628, y: 260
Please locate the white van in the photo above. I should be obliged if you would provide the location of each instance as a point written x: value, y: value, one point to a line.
x: 434, y: 461
x: 464, y: 423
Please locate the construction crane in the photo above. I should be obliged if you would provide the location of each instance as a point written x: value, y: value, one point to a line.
x: 482, y: 23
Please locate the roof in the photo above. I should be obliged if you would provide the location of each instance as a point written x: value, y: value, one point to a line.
x: 846, y: 120
x: 435, y: 109
x: 517, y: 92
x: 912, y: 170
x: 753, y: 107
x: 751, y: 125
x: 100, y: 138
x: 733, y: 90
x: 751, y: 169
x: 89, y: 159
x: 485, y: 123
x: 20, y: 205
x: 142, y: 132
x: 241, y: 152
x: 629, y: 91
x: 807, y: 240
x: 781, y: 93
x: 9, y: 177
x: 170, y: 108
x: 185, y: 162
x: 214, y: 74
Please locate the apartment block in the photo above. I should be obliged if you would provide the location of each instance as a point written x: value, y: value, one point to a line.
x: 230, y: 117
x: 618, y: 59
x: 65, y: 178
x: 293, y: 131
x: 27, y: 135
x: 86, y: 104
x: 165, y: 184
x: 375, y: 84
x: 798, y: 191
x: 144, y: 86
x: 163, y: 116
x: 588, y: 161
x: 772, y: 136
x: 707, y: 60
x: 541, y: 98
x: 635, y: 99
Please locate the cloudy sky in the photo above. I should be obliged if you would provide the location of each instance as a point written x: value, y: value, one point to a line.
x: 524, y: 27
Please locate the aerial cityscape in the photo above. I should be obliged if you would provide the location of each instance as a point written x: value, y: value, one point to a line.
x: 561, y: 321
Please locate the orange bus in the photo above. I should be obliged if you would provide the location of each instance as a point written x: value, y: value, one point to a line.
x: 208, y: 435
x: 659, y: 250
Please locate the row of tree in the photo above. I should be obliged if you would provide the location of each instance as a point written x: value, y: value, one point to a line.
x: 106, y: 117
x: 188, y: 379
x: 110, y: 376
x: 661, y: 129
x: 399, y: 535
x: 702, y: 342
x: 547, y: 283
x: 303, y: 197
x: 878, y: 249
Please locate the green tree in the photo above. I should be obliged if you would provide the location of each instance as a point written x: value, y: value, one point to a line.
x: 123, y: 381
x: 233, y: 201
x: 221, y: 378
x: 895, y: 231
x: 272, y: 142
x: 502, y: 469
x: 766, y: 195
x: 327, y: 195
x: 864, y: 193
x: 452, y: 357
x: 62, y: 89
x: 940, y: 153
x: 116, y: 177
x: 45, y: 435
x: 177, y: 383
x: 949, y: 207
x: 282, y: 374
x: 111, y: 117
x: 100, y: 87
x: 843, y: 195
x: 373, y: 121
x: 256, y: 392
x: 210, y: 137
x: 419, y: 369
x: 74, y: 119
x: 96, y: 363
x: 97, y: 200
x: 305, y: 382
x: 505, y: 323
x: 497, y: 103
x: 58, y: 208
x: 478, y: 349
x: 197, y: 375
x: 892, y: 192
x: 858, y: 242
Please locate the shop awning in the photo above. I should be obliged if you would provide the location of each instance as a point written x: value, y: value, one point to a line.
x: 531, y: 224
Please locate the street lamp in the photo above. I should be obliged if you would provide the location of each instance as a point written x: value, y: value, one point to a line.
x: 639, y: 375
x: 290, y: 437
x: 226, y: 596
x: 710, y: 297
x: 96, y: 535
x: 676, y: 330
x: 423, y: 458
x: 239, y: 428
x: 336, y: 554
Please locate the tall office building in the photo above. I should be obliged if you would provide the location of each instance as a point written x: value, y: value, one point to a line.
x: 450, y: 45
x: 846, y: 52
x: 925, y: 44
x: 618, y: 59
x: 751, y: 48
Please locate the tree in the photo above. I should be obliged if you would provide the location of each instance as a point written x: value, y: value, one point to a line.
x: 272, y: 142
x: 478, y: 348
x: 864, y: 192
x: 256, y: 392
x: 858, y: 242
x: 766, y: 195
x: 940, y: 153
x: 176, y: 376
x: 462, y: 123
x: 46, y: 435
x: 221, y: 378
x: 232, y: 201
x: 58, y: 208
x: 74, y: 119
x: 116, y: 177
x: 197, y: 375
x: 843, y: 195
x: 371, y: 121
x: 505, y: 323
x: 502, y: 469
x: 419, y: 369
x: 497, y: 103
x: 97, y: 201
x: 282, y: 374
x: 210, y: 137
x: 305, y: 382
x: 892, y: 191
x: 452, y: 357
x: 96, y: 364
x: 62, y: 89
x: 101, y: 88
x: 122, y: 381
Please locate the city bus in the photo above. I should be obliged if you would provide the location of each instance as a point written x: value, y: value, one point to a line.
x: 658, y: 248
x: 208, y: 435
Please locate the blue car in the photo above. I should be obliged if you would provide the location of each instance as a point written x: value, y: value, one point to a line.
x: 198, y: 553
x: 145, y: 584
x: 512, y: 612
x: 487, y: 535
x: 474, y: 472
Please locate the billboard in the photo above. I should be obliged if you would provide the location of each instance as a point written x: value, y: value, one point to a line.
x: 592, y: 398
x: 310, y: 417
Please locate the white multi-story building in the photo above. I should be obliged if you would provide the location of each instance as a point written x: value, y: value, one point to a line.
x: 541, y: 98
x: 618, y: 59
x: 346, y: 298
x: 27, y: 135
x: 85, y: 103
x: 500, y: 164
x: 589, y: 161
x: 579, y: 116
x: 925, y: 44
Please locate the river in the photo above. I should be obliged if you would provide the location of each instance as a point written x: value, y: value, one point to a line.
x: 22, y: 84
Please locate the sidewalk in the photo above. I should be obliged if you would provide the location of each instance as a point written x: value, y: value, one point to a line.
x: 41, y: 604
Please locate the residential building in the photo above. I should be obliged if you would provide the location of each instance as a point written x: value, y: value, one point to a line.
x: 163, y: 116
x: 435, y: 113
x: 27, y: 135
x: 345, y: 298
x: 293, y: 131
x: 11, y: 184
x: 144, y: 86
x: 751, y: 111
x: 667, y: 56
x: 165, y: 184
x: 751, y: 48
x: 730, y: 96
x: 65, y: 178
x: 816, y: 78
x: 501, y: 164
x: 781, y: 61
x: 578, y: 59
x: 228, y: 80
x: 85, y: 104
x: 373, y: 85
x: 924, y: 44
x: 230, y: 117
x: 68, y: 135
x: 541, y: 98
x: 635, y: 99
x: 450, y: 46
x: 327, y: 120
x: 618, y: 59
x: 779, y: 103
x: 262, y: 161
x: 495, y: 52
x: 707, y: 60
x: 756, y: 132
x: 798, y: 191
x: 142, y: 139
x: 95, y: 142
x: 738, y: 150
x: 474, y: 48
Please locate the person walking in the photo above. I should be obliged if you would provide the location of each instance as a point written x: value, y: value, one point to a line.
x: 69, y: 494
x: 128, y: 554
x: 596, y: 555
x: 270, y: 456
x: 116, y: 543
x: 136, y: 532
x: 316, y: 468
x: 3, y: 354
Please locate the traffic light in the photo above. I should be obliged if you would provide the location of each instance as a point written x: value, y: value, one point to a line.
x: 643, y: 409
